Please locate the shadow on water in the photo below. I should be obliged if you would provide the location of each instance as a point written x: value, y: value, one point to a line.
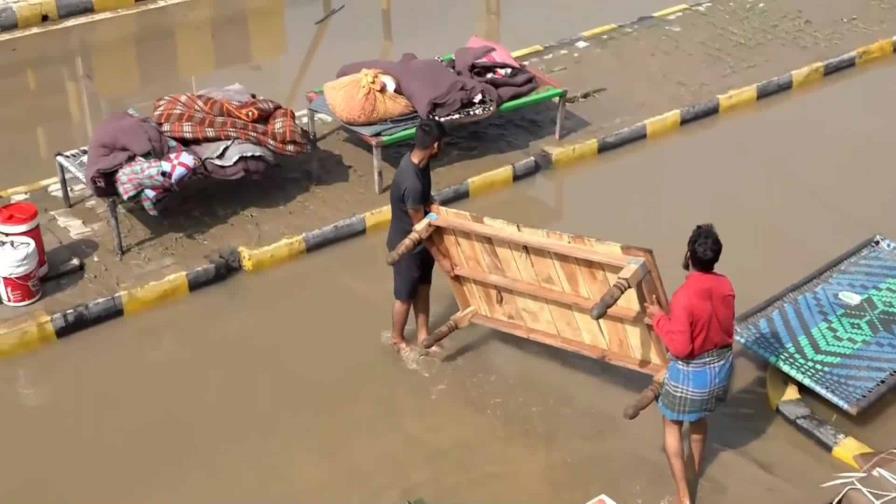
x: 205, y: 204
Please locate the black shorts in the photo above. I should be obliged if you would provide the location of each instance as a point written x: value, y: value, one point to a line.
x: 411, y: 271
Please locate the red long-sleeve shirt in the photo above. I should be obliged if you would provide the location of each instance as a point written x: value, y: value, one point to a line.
x: 701, y: 316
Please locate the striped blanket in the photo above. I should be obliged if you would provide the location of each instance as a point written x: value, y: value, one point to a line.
x: 198, y: 118
x: 694, y: 387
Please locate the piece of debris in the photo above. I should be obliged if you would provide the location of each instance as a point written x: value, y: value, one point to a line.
x: 19, y: 197
x: 582, y: 44
x: 585, y: 95
x: 327, y: 16
x: 73, y: 265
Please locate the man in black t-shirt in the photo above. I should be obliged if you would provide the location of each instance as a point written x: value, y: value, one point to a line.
x: 411, y: 199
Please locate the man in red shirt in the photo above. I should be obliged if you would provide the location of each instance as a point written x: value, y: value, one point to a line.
x: 698, y: 332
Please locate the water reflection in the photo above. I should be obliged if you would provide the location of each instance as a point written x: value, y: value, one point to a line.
x: 66, y: 80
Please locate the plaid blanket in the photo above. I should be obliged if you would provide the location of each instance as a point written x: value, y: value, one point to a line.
x: 694, y: 387
x: 260, y: 121
x: 154, y: 179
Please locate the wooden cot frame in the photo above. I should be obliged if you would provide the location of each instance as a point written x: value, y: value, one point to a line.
x: 636, y: 267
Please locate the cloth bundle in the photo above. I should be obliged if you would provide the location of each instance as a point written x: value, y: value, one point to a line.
x: 365, y: 98
x: 471, y: 86
x: 155, y: 179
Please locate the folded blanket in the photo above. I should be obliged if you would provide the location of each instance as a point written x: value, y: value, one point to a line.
x: 200, y: 118
x: 233, y: 159
x: 117, y: 139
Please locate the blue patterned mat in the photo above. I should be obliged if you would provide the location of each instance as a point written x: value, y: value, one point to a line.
x: 835, y: 331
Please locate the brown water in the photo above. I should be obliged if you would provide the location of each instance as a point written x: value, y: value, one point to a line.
x: 65, y: 81
x: 276, y: 387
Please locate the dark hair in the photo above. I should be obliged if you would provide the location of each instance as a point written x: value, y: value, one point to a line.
x: 429, y: 133
x: 704, y: 249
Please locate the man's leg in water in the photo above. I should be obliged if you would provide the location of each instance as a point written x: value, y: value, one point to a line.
x: 421, y: 311
x: 675, y: 456
x: 400, y: 312
x: 698, y: 432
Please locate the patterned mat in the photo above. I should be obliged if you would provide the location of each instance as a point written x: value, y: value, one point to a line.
x: 834, y: 331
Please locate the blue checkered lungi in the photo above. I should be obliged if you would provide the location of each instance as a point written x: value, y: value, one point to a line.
x: 694, y: 387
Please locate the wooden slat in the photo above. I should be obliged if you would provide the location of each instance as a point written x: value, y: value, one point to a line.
x: 598, y: 283
x: 568, y: 344
x: 452, y: 247
x: 532, y: 238
x: 491, y: 263
x: 538, y: 291
x: 651, y: 285
x: 469, y: 256
x: 531, y: 307
x: 456, y: 284
x: 573, y: 283
x: 546, y: 276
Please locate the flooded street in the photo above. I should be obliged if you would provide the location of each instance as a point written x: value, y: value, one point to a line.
x: 67, y: 80
x: 276, y: 388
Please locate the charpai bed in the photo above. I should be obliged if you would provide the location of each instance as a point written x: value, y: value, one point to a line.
x: 402, y: 129
x: 835, y: 330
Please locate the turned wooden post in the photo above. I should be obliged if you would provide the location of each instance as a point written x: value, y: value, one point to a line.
x: 457, y: 321
x: 647, y: 397
x: 627, y: 279
x: 421, y: 231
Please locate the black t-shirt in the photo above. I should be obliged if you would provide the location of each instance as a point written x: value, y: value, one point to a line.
x: 411, y: 189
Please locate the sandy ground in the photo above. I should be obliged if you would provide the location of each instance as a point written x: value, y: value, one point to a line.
x: 657, y: 66
x: 277, y: 388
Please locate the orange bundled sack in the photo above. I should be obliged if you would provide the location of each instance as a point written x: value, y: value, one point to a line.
x: 363, y: 98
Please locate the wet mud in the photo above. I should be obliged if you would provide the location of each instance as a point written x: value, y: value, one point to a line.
x: 277, y: 387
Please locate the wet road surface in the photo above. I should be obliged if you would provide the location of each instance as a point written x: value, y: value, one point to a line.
x: 277, y: 388
x: 66, y: 80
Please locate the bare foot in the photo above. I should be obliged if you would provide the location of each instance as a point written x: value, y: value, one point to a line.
x: 401, y: 347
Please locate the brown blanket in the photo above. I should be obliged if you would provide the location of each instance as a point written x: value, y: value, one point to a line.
x: 118, y: 139
x: 433, y: 88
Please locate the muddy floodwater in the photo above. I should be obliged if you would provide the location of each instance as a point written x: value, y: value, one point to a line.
x: 66, y: 80
x: 276, y: 387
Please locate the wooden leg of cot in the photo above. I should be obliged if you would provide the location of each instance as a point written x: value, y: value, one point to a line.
x: 561, y: 111
x: 457, y: 321
x: 378, y: 169
x: 421, y: 231
x: 112, y: 204
x: 63, y: 185
x: 647, y: 397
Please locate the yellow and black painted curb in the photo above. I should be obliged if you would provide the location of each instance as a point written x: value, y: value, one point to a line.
x: 258, y: 259
x: 36, y: 329
x: 666, y: 13
x: 734, y: 99
x: 784, y: 397
x: 29, y: 13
